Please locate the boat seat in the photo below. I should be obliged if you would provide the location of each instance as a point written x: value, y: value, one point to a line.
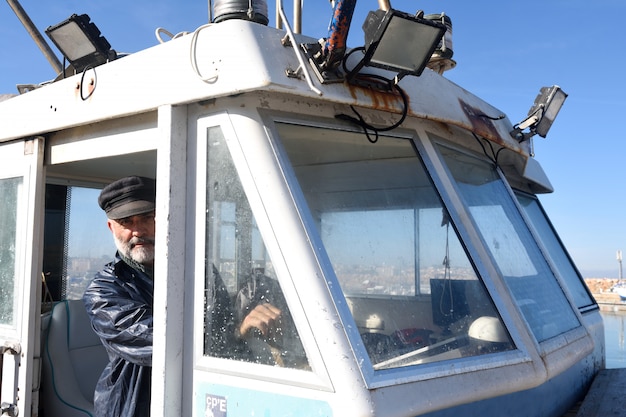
x: 73, y: 359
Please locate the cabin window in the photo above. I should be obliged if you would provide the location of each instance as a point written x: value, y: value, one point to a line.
x: 413, y: 292
x: 10, y: 190
x: 239, y: 272
x: 557, y: 251
x: 403, y: 250
x: 77, y: 242
x: 512, y: 246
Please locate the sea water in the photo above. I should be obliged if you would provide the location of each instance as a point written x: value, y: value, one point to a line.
x: 615, y: 335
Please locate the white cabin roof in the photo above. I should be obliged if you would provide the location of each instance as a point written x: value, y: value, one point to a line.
x: 225, y: 59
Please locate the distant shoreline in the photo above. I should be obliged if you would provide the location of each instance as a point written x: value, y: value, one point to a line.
x: 601, y: 290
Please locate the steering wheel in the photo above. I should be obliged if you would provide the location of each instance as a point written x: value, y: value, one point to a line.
x: 261, y: 351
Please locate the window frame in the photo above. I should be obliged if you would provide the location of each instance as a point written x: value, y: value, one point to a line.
x: 592, y: 306
x: 574, y: 344
x: 317, y: 377
x: 525, y: 358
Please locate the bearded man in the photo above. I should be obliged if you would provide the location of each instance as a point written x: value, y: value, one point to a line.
x: 119, y: 300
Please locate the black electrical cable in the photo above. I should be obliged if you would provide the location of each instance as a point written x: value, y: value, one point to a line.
x: 380, y: 83
x: 359, y: 121
x: 94, y: 82
x: 494, y: 155
x: 500, y: 117
x: 368, y: 127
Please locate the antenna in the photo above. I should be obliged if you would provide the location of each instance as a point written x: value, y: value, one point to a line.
x: 619, y: 261
x: 36, y: 35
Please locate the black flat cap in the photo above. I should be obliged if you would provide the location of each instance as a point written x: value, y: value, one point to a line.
x: 128, y: 197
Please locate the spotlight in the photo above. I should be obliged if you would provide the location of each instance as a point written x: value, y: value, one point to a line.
x: 80, y: 42
x: 399, y: 42
x: 541, y: 115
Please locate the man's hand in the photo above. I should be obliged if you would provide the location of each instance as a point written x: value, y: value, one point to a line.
x: 265, y: 317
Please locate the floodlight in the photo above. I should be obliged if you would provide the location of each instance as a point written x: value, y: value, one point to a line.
x: 542, y: 113
x: 80, y: 42
x: 399, y: 42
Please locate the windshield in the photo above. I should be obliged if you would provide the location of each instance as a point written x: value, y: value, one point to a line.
x: 512, y: 246
x: 413, y: 292
x: 555, y: 248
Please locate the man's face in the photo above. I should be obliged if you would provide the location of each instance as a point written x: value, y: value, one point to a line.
x: 134, y: 237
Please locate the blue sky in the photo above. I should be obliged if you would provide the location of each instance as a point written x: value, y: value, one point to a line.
x: 505, y: 52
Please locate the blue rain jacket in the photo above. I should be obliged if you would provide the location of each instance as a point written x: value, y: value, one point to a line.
x: 119, y: 302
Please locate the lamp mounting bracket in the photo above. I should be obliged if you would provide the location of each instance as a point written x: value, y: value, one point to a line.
x: 315, y: 55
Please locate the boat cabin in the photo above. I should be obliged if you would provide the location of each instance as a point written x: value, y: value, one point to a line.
x: 397, y: 224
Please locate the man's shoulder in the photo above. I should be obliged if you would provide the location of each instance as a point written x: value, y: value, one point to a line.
x: 109, y: 270
x: 109, y: 275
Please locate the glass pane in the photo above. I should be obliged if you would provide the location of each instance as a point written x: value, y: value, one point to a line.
x: 77, y: 242
x: 408, y: 281
x: 241, y: 285
x: 10, y: 190
x: 551, y: 241
x: 405, y: 232
x: 89, y: 242
x: 512, y: 246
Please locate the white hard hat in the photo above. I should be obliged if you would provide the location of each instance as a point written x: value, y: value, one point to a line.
x: 488, y: 329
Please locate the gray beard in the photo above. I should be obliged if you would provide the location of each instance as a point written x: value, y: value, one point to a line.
x: 141, y: 255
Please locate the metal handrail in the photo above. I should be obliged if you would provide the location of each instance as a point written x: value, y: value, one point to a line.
x: 297, y: 51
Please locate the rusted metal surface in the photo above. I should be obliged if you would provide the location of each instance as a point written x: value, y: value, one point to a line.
x: 335, y: 46
x: 389, y: 101
x: 474, y: 118
x: 482, y: 124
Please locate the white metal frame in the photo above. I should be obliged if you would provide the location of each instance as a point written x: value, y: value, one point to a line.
x: 24, y: 159
x: 250, y: 371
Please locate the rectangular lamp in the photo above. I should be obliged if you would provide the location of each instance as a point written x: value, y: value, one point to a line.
x: 400, y: 42
x: 80, y: 42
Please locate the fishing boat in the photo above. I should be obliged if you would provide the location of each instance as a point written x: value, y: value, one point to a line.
x: 395, y: 213
x: 620, y: 289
